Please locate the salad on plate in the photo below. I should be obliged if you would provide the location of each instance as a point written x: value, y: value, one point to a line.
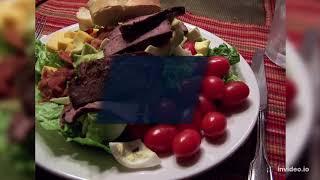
x: 72, y: 66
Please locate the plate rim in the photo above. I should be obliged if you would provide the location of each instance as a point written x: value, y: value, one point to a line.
x: 300, y: 66
x: 229, y: 153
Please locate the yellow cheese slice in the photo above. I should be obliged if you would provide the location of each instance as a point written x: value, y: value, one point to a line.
x: 52, y: 44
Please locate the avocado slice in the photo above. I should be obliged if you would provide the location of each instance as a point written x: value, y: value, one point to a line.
x: 157, y: 51
x: 86, y: 58
x: 176, y: 39
x: 194, y: 34
x: 61, y: 100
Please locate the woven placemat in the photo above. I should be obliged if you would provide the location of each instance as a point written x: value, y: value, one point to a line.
x: 238, y: 11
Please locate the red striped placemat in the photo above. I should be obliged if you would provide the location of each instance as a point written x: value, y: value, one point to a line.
x: 245, y: 37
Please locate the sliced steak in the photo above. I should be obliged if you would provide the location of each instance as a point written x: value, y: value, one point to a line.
x: 87, y: 85
x: 104, y: 32
x: 71, y: 114
x: 156, y: 37
x: 136, y: 27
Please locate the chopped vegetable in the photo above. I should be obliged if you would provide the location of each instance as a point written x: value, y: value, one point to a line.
x: 202, y: 47
x: 157, y: 51
x: 61, y: 100
x: 194, y: 35
x: 88, y: 53
x: 223, y: 50
x: 232, y: 75
x: 89, y: 142
x: 86, y: 131
x: 48, y: 115
x: 45, y: 58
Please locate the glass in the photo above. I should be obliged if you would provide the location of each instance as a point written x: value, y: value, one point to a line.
x: 275, y: 49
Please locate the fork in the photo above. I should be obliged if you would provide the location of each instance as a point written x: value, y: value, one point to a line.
x: 40, y: 24
x: 260, y: 168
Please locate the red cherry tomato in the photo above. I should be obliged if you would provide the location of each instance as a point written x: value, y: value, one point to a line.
x: 213, y: 88
x: 137, y: 131
x: 186, y: 143
x: 190, y: 45
x: 159, y: 138
x: 214, y: 124
x: 291, y: 92
x: 218, y: 66
x: 205, y: 105
x: 235, y: 93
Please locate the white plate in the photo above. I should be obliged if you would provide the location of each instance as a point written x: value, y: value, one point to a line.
x: 79, y: 162
x: 299, y: 124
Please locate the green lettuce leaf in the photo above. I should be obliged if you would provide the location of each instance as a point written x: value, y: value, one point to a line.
x: 102, y: 132
x: 231, y: 76
x: 48, y: 115
x: 86, y: 131
x: 230, y: 53
x: 45, y: 58
x: 37, y: 95
x: 61, y: 100
x: 89, y: 142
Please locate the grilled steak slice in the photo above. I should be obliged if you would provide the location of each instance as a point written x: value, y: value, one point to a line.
x: 70, y: 114
x: 87, y: 85
x: 156, y: 37
x: 136, y: 27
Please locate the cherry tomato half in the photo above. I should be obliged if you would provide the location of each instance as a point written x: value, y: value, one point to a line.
x: 218, y: 66
x: 190, y: 45
x: 213, y: 88
x: 186, y: 143
x: 235, y: 93
x: 214, y: 125
x: 159, y: 138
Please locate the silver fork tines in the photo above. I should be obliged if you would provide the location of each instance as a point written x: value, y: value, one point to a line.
x: 40, y: 24
x: 259, y: 166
